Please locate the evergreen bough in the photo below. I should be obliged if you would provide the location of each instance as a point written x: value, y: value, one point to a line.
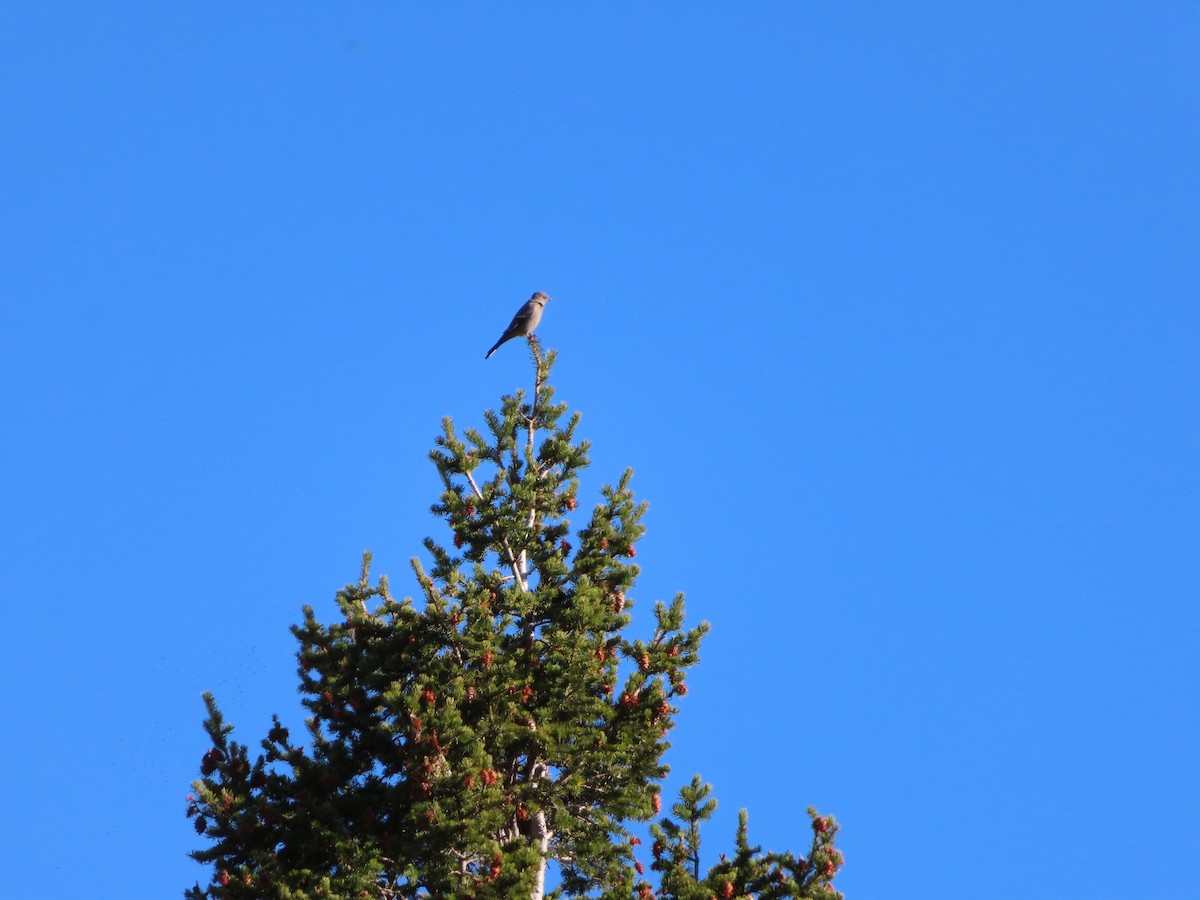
x: 458, y: 746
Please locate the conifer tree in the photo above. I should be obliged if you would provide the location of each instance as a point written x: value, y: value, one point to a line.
x: 459, y: 745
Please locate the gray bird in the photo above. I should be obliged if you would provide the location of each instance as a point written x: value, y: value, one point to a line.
x: 524, y: 321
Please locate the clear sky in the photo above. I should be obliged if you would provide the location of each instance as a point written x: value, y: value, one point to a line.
x: 892, y: 308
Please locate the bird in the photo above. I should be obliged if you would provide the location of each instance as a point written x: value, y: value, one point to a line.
x: 524, y: 321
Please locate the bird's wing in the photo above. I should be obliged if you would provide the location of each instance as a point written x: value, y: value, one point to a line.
x: 521, y: 319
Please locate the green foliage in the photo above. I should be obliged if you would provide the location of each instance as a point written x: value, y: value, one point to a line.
x: 750, y: 873
x: 455, y: 745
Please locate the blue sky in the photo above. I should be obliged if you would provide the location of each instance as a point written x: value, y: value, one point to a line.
x: 891, y: 307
